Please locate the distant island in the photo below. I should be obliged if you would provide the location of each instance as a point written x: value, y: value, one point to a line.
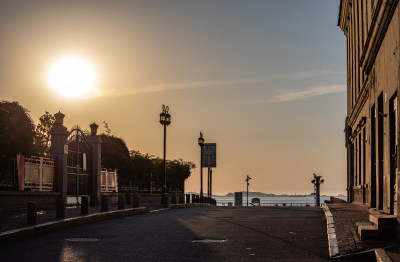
x: 260, y: 194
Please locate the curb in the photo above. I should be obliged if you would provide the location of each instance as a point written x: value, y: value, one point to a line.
x: 66, y: 223
x: 381, y: 255
x: 330, y: 228
x: 191, y: 205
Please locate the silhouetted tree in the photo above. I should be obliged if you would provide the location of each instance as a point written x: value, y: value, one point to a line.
x: 115, y: 155
x: 141, y: 170
x: 177, y: 172
x: 41, y: 143
x: 157, y: 172
x: 16, y: 136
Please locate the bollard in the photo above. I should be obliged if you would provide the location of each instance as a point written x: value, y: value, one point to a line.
x: 164, y: 200
x: 93, y: 200
x: 32, y: 212
x: 121, y: 201
x: 60, y: 208
x: 84, y: 205
x: 104, y: 203
x: 128, y: 199
x: 181, y: 199
x: 173, y: 199
x: 136, y: 200
x: 187, y: 199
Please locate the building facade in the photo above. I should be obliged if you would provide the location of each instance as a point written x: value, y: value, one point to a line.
x: 372, y: 30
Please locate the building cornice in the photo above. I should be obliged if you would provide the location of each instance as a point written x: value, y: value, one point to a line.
x: 381, y: 18
x: 344, y: 15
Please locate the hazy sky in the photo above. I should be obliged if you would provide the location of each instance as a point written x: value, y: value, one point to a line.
x: 265, y: 80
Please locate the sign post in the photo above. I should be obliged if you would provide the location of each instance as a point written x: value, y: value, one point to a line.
x: 209, y: 160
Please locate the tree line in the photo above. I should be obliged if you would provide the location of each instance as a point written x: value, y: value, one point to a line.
x: 136, y: 171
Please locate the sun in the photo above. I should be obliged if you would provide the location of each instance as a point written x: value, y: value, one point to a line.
x: 73, y: 77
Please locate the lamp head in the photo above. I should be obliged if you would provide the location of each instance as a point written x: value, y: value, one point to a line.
x: 201, y: 139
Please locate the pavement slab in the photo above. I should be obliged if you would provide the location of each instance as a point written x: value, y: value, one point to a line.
x: 345, y: 217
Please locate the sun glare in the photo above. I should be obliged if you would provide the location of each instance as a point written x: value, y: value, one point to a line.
x: 72, y: 76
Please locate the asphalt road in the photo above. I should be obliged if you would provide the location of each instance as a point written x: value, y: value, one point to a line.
x: 190, y: 234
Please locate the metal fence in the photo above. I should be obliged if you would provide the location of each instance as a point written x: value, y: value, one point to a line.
x: 270, y: 204
x: 109, y: 180
x: 36, y: 173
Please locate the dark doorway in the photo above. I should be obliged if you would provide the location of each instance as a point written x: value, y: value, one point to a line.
x: 373, y: 158
x: 351, y: 176
x: 380, y: 151
x: 359, y: 159
x: 356, y: 161
x: 363, y: 165
x: 393, y: 152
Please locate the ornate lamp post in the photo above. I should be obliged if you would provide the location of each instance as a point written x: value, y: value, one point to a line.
x: 201, y: 144
x: 165, y: 120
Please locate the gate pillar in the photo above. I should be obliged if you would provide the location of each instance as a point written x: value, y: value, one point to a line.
x: 95, y: 141
x: 59, y: 150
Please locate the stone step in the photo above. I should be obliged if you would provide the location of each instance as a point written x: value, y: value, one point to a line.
x: 384, y: 222
x: 367, y: 230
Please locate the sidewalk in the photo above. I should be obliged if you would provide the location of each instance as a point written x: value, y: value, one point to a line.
x: 345, y: 217
x: 18, y: 219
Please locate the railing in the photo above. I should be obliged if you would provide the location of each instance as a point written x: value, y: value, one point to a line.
x: 36, y: 173
x: 109, y: 180
x: 270, y: 204
x: 154, y: 190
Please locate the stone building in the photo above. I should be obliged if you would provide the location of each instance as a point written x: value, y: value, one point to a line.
x: 372, y: 30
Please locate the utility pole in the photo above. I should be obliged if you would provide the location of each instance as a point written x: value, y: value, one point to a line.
x: 317, y: 181
x: 210, y: 182
x: 247, y: 180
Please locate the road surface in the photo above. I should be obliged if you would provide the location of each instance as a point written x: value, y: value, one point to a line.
x: 189, y: 234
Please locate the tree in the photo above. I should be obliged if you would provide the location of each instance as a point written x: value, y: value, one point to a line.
x: 178, y: 171
x: 115, y: 155
x: 16, y: 136
x: 142, y: 166
x: 41, y: 144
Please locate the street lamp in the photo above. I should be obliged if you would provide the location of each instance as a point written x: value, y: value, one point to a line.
x: 165, y: 120
x: 247, y: 180
x: 317, y: 181
x: 201, y: 144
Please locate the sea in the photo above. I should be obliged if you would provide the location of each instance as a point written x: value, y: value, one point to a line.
x: 278, y: 200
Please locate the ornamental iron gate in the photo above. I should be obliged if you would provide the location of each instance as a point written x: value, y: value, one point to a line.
x: 79, y: 163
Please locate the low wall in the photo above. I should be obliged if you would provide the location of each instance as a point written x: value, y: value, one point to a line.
x: 152, y: 198
x: 15, y: 200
